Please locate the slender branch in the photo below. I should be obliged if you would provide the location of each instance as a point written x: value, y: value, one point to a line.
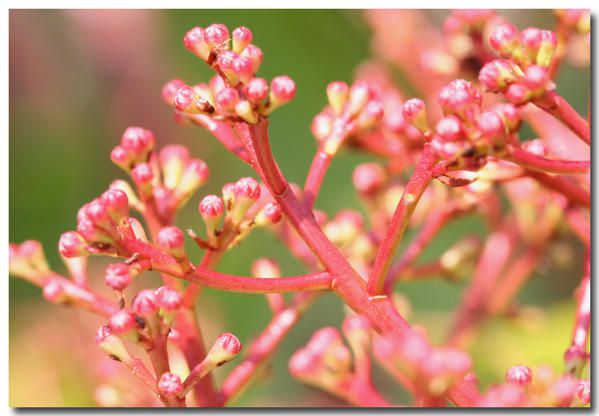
x: 316, y: 174
x: 541, y: 164
x: 401, y: 218
x: 557, y: 106
x: 572, y: 191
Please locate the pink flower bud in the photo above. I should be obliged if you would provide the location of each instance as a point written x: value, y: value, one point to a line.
x: 266, y: 268
x: 519, y: 374
x: 491, y: 125
x: 170, y: 384
x: 518, y: 94
x: 168, y: 299
x: 269, y: 214
x: 461, y: 98
x: 138, y: 141
x: 211, y: 206
x: 414, y: 112
x: 323, y: 339
x: 93, y: 234
x: 122, y: 322
x: 337, y: 94
x: 509, y: 114
x: 97, y: 213
x: 118, y: 276
x: 216, y: 35
x: 583, y: 391
x: 450, y: 128
x: 143, y: 176
x: 170, y: 90
x: 564, y: 390
x: 371, y: 114
x: 304, y: 365
x: 247, y: 188
x: 243, y: 67
x: 225, y: 62
x: 116, y: 203
x: 505, y: 39
x: 144, y: 303
x: 195, y: 175
x: 359, y: 95
x: 225, y: 348
x: 536, y: 78
x: 54, y: 291
x: 245, y: 110
x: 226, y: 100
x: 256, y: 56
x: 195, y: 42
x: 121, y: 157
x: 171, y: 240
x: 322, y: 125
x: 173, y: 159
x: 497, y: 75
x: 282, y: 90
x: 256, y: 90
x: 242, y: 37
x: 369, y: 178
x: 540, y: 45
x: 72, y: 244
x: 357, y: 330
x: 111, y: 344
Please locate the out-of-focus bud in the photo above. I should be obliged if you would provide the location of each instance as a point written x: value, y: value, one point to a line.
x: 563, y: 391
x: 118, y: 276
x: 54, y: 291
x: 369, y: 178
x: 583, y: 392
x: 255, y: 54
x: 509, y: 114
x: 226, y: 100
x: 173, y: 159
x: 170, y: 384
x: 328, y: 344
x: 121, y: 157
x: 496, y: 75
x: 322, y: 125
x: 138, y: 229
x: 357, y: 330
x: 345, y: 228
x: 170, y: 90
x: 337, y: 94
x: 266, y: 268
x: 269, y: 214
x: 139, y: 142
x: 123, y: 323
x: 256, y: 90
x: 245, y: 110
x: 216, y: 36
x: 225, y: 348
x: 359, y: 95
x: 247, y: 192
x: 520, y: 375
x: 459, y: 256
x: 505, y: 39
x: 460, y: 98
x: 306, y: 366
x: 72, y: 244
x: 282, y: 90
x: 242, y: 37
x: 414, y: 112
x: 575, y: 359
x: 111, y: 344
x: 492, y: 128
x: 194, y: 41
x: 450, y: 129
x: 144, y: 303
x: 371, y: 114
x: 194, y: 175
x: 143, y: 176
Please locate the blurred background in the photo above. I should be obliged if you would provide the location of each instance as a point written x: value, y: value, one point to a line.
x: 79, y: 78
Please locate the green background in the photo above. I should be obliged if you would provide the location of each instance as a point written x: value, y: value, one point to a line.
x: 69, y: 105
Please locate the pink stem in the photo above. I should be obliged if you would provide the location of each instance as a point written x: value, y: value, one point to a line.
x: 565, y: 186
x: 414, y: 189
x: 582, y: 322
x: 556, y: 105
x: 316, y: 174
x: 541, y: 164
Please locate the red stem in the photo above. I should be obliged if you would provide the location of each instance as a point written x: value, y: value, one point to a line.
x: 316, y: 174
x: 556, y: 105
x: 414, y: 189
x: 542, y: 164
x: 565, y: 186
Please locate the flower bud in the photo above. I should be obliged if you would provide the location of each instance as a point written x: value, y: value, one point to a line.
x: 33, y: 252
x: 505, y: 39
x: 123, y: 322
x: 266, y: 268
x: 216, y: 35
x: 491, y: 126
x: 357, y: 330
x: 72, y: 244
x: 359, y: 95
x: 256, y: 90
x: 242, y: 37
x: 519, y: 374
x: 322, y: 126
x: 414, y: 112
x: 54, y: 291
x: 194, y: 41
x: 116, y: 204
x: 226, y: 100
x: 509, y: 114
x: 269, y: 214
x: 583, y: 392
x: 144, y: 303
x: 139, y: 142
x: 188, y: 100
x: 243, y: 68
x: 282, y: 90
x: 460, y: 98
x: 371, y: 114
x: 518, y: 94
x: 195, y: 175
x: 536, y: 78
x: 246, y: 112
x: 168, y: 299
x: 171, y: 240
x: 305, y: 366
x: 225, y: 63
x: 121, y: 157
x: 450, y: 129
x: 247, y: 191
x: 496, y: 75
x: 369, y: 178
x: 540, y: 45
x: 170, y: 384
x: 225, y: 348
x: 211, y: 209
x: 170, y: 90
x: 93, y: 234
x: 118, y: 276
x: 111, y: 344
x: 459, y: 255
x: 143, y: 176
x: 337, y: 94
x: 255, y: 54
x: 173, y: 159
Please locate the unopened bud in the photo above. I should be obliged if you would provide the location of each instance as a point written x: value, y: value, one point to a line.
x: 256, y: 90
x: 173, y: 159
x: 519, y: 374
x: 72, y: 244
x: 144, y: 303
x: 369, y: 178
x: 170, y: 384
x: 245, y: 110
x: 242, y: 37
x: 266, y: 268
x: 337, y: 94
x: 414, y: 112
x: 270, y: 214
x: 255, y: 54
x: 216, y: 35
x: 118, y: 276
x: 282, y: 90
x: 247, y: 192
x: 194, y: 175
x: 194, y: 41
x: 225, y: 348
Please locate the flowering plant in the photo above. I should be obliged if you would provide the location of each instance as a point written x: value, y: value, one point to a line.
x: 454, y: 152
